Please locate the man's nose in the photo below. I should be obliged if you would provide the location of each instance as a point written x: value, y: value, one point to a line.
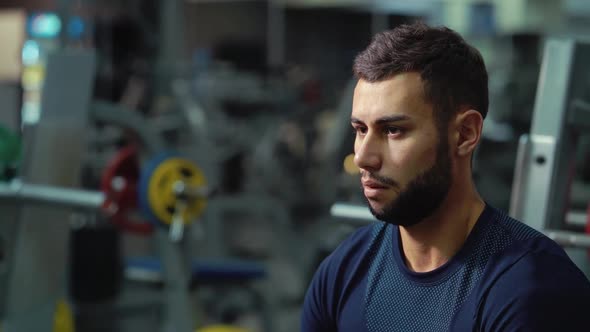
x: 367, y: 155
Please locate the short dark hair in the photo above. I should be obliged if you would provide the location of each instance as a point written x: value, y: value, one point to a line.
x: 453, y: 71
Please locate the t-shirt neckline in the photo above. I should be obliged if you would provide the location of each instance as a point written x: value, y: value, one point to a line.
x: 453, y: 264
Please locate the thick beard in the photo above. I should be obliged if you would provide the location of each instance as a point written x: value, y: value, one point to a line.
x: 423, y: 195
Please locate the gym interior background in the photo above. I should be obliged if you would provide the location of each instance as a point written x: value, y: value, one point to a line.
x: 184, y: 165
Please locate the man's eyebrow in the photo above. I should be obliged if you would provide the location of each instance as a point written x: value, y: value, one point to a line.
x: 383, y: 120
x: 392, y: 118
x: 356, y: 121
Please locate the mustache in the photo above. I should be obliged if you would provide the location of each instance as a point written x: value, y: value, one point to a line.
x: 382, y: 179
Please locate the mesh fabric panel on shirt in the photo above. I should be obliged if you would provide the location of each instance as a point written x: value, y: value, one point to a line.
x: 393, y: 302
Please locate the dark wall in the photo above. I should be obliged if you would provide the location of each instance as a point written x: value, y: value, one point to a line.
x: 208, y: 24
x: 29, y: 5
x: 326, y: 39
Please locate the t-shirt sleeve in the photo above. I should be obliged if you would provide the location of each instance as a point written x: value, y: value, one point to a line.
x: 315, y: 315
x: 335, y: 274
x: 541, y: 292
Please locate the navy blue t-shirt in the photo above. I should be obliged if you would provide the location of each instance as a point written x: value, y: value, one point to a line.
x: 506, y: 277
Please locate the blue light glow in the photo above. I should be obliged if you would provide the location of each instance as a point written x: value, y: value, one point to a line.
x: 44, y: 25
x: 76, y: 27
x: 30, y: 53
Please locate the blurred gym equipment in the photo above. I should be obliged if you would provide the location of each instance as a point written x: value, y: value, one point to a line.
x: 542, y: 189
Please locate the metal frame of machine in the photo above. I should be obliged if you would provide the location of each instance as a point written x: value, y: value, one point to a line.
x: 34, y: 241
x: 545, y: 159
x: 35, y: 247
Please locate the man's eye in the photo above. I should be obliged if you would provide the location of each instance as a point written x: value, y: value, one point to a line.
x: 359, y: 130
x: 393, y: 130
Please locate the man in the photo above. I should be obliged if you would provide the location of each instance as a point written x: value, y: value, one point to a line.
x: 442, y: 259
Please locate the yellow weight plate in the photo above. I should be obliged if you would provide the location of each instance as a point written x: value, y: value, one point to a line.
x: 161, y: 197
x: 221, y: 328
x: 63, y: 320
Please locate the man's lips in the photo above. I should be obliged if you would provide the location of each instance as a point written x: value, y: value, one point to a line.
x: 373, y: 189
x: 373, y: 184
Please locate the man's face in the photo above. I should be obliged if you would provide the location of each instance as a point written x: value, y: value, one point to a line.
x: 403, y: 157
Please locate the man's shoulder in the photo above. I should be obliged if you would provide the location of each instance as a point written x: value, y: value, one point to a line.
x: 338, y: 276
x: 515, y: 230
x: 530, y: 262
x: 537, y: 287
x: 527, y: 253
x: 532, y: 272
x: 507, y: 243
x: 355, y: 247
x: 524, y: 247
x: 539, y: 263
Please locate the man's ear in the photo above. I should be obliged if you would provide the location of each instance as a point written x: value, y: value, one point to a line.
x: 469, y: 124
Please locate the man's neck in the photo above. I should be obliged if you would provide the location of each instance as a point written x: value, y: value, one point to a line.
x: 434, y: 241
